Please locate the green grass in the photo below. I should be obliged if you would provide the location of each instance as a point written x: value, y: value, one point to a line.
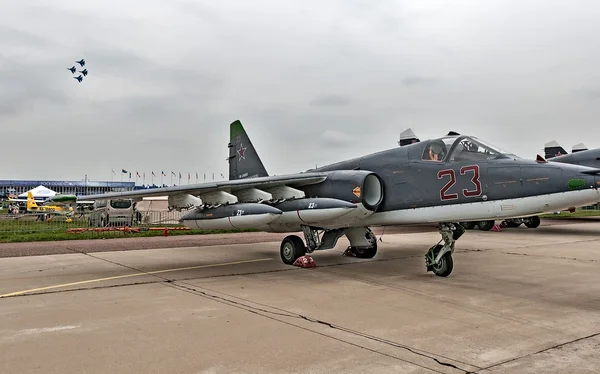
x: 575, y: 214
x: 29, y: 230
x: 16, y: 237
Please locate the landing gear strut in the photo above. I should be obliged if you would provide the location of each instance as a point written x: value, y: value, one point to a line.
x: 363, y: 243
x: 439, y: 257
x: 292, y: 247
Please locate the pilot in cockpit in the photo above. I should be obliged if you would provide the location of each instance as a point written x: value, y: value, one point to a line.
x: 435, y: 151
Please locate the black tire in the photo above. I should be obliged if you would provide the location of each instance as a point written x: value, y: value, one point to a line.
x: 292, y: 248
x: 365, y: 252
x: 512, y: 224
x: 485, y: 225
x: 532, y: 222
x: 468, y: 225
x: 445, y: 266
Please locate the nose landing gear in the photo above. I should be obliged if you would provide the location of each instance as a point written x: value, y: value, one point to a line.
x: 439, y: 257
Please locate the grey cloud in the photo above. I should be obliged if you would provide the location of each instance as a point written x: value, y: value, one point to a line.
x: 588, y: 92
x: 334, y: 138
x: 166, y: 81
x: 24, y: 85
x: 416, y: 80
x: 330, y: 100
x: 203, y: 11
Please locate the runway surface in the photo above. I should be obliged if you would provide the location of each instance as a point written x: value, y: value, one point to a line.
x: 518, y: 301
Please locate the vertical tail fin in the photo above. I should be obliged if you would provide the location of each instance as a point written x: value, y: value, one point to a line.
x: 553, y: 149
x: 31, y: 204
x: 407, y: 137
x: 578, y: 148
x: 243, y: 158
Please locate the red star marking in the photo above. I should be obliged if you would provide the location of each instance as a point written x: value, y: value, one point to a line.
x: 558, y: 153
x: 242, y: 152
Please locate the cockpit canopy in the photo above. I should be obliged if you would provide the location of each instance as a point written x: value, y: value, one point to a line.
x: 462, y: 148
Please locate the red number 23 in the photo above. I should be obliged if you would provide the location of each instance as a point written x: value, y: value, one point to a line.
x: 444, y: 195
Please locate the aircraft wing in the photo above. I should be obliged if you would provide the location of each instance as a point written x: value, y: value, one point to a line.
x: 291, y: 180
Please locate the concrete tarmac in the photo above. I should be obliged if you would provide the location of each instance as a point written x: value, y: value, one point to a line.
x: 518, y: 301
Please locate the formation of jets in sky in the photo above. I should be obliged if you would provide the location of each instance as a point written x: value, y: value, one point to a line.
x: 84, y: 71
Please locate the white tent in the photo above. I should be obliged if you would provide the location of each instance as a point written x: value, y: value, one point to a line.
x: 40, y: 192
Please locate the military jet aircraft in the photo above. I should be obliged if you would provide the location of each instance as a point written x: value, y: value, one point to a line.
x: 84, y: 72
x: 79, y: 78
x: 72, y: 68
x: 446, y: 180
x: 580, y: 154
x: 81, y: 62
x: 554, y: 152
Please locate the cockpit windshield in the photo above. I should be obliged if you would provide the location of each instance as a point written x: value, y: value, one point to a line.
x: 462, y: 148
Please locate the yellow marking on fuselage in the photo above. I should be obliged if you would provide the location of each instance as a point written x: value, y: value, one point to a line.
x: 129, y: 275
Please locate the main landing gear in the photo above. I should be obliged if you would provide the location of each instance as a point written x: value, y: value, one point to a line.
x: 439, y: 257
x: 363, y: 243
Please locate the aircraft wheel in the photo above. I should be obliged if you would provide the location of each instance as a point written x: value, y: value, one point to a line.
x: 292, y: 247
x: 532, y: 222
x: 365, y: 252
x: 468, y: 225
x: 445, y: 266
x: 485, y: 225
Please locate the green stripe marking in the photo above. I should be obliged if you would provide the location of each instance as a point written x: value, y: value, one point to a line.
x: 236, y: 129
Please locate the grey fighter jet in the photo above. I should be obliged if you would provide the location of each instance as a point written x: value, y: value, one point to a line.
x: 447, y: 180
x: 580, y: 154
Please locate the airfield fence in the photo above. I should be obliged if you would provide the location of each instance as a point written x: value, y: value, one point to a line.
x: 13, y: 226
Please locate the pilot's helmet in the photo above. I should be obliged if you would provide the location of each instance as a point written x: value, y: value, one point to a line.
x: 439, y: 148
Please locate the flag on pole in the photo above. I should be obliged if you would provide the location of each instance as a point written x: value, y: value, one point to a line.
x: 113, y: 171
x: 154, y: 175
x: 123, y: 171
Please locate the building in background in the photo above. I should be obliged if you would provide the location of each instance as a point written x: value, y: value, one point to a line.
x: 83, y: 187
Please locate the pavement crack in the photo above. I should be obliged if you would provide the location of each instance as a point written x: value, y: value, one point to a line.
x: 556, y: 346
x: 545, y: 256
x: 189, y: 288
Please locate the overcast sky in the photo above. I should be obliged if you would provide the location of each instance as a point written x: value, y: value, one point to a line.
x: 313, y: 82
